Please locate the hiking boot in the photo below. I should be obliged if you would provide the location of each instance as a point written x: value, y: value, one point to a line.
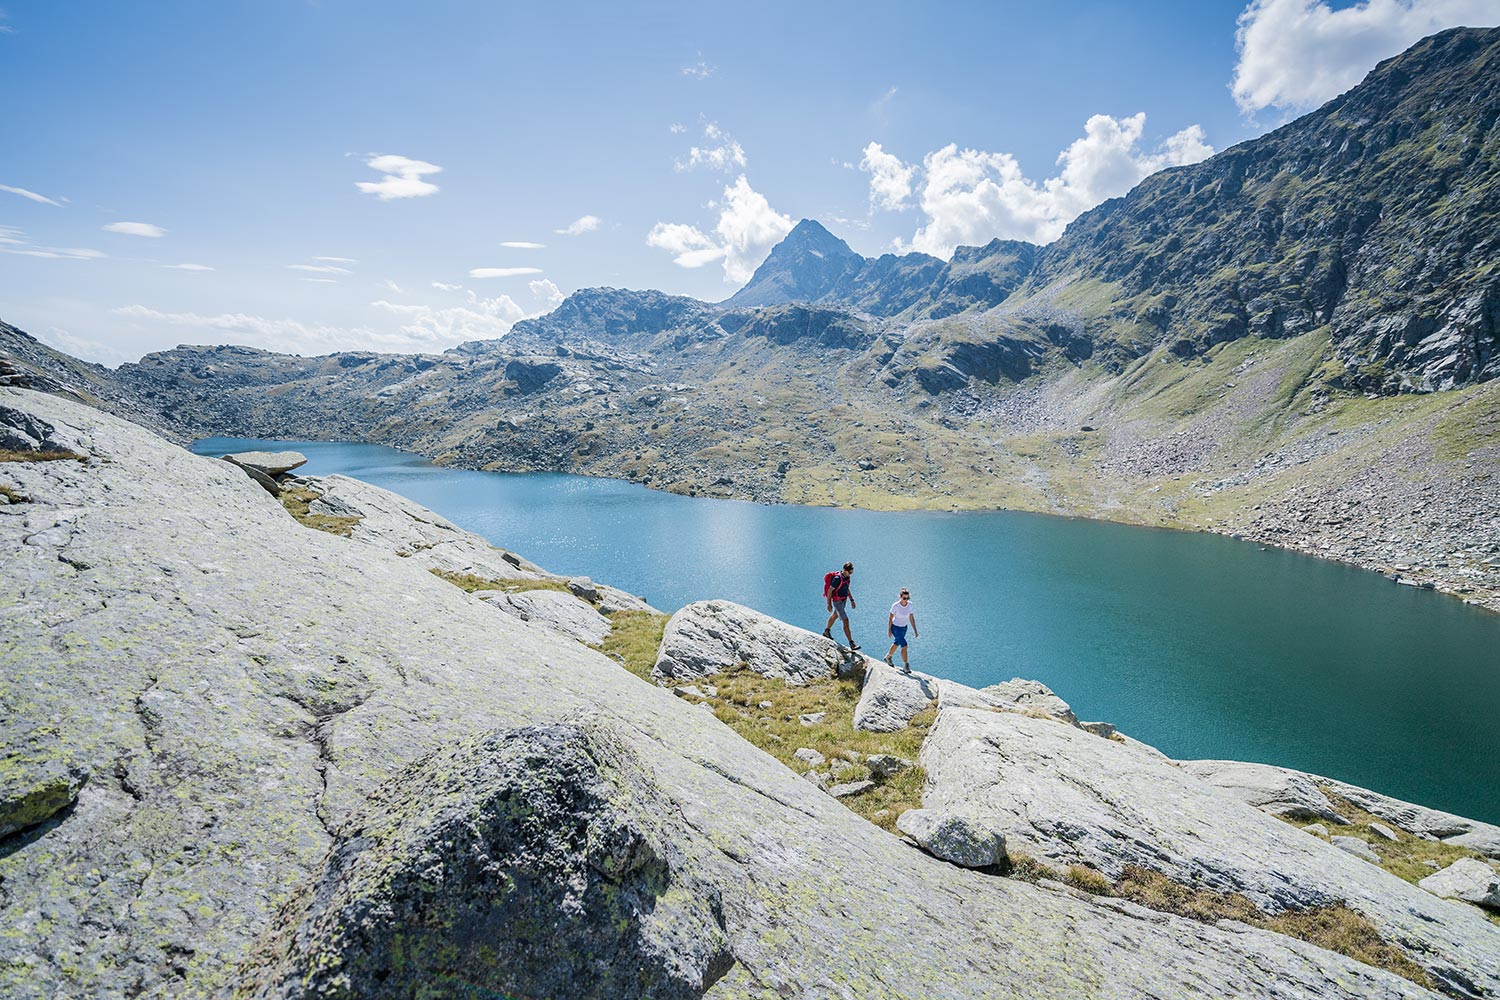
x: 828, y: 633
x: 906, y: 668
x: 888, y: 661
x: 853, y: 644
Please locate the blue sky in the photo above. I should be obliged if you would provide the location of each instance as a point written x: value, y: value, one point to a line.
x: 234, y: 138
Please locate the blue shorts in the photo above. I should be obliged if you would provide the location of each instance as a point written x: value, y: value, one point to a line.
x: 838, y: 609
x: 898, y: 635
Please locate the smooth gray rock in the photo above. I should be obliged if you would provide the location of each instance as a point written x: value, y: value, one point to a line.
x: 1033, y: 695
x: 552, y: 609
x: 890, y: 698
x: 1276, y: 790
x: 960, y: 839
x: 887, y: 765
x: 809, y: 756
x: 1420, y: 820
x: 811, y: 718
x: 257, y: 475
x: 1466, y: 879
x: 272, y: 463
x: 248, y: 696
x: 1066, y: 797
x: 849, y: 788
x: 1384, y: 831
x: 1316, y: 829
x: 707, y: 637
x: 1359, y: 848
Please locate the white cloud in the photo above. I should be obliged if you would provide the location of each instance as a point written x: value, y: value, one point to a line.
x: 699, y: 70
x: 579, y: 226
x: 502, y: 272
x: 403, y: 178
x: 725, y: 154
x: 392, y: 286
x: 746, y: 231
x: 337, y: 260
x: 478, y: 319
x: 890, y: 179
x: 443, y: 286
x: 86, y: 348
x: 135, y: 229
x: 319, y: 268
x: 677, y: 128
x: 319, y: 281
x: 1296, y: 54
x: 187, y: 267
x: 971, y: 197
x: 547, y: 291
x: 523, y: 245
x: 29, y: 195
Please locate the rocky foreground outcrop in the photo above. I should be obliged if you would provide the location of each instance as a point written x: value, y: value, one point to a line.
x: 300, y: 765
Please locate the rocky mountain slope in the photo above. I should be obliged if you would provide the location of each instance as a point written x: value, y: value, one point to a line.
x: 1293, y: 341
x: 247, y: 758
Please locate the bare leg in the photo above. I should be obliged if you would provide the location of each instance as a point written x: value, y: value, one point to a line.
x: 847, y: 634
x: 904, y: 661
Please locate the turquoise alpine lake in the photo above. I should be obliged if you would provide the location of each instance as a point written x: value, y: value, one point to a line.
x: 1204, y: 646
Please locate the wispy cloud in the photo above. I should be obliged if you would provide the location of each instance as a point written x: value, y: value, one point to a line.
x: 677, y: 128
x: 699, y: 70
x: 287, y: 335
x: 402, y: 178
x: 319, y: 268
x: 719, y: 152
x: 502, y: 272
x: 15, y: 241
x: 477, y: 319
x: 28, y: 195
x: 187, y: 267
x: 1296, y: 54
x: 443, y: 286
x: 135, y: 229
x: 336, y: 260
x: 579, y: 226
x: 523, y: 245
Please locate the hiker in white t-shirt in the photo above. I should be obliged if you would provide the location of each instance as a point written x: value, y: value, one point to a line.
x: 903, y: 614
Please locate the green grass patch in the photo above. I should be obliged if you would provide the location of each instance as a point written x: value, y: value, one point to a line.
x: 10, y: 455
x: 776, y: 728
x: 298, y: 502
x: 1407, y: 856
x: 634, y: 640
x: 470, y: 582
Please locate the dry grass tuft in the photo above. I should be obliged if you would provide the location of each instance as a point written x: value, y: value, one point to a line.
x: 10, y: 455
x: 298, y: 500
x: 11, y: 496
x: 1406, y: 856
x: 634, y: 640
x: 471, y: 583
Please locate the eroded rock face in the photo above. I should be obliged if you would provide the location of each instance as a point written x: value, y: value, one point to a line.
x: 561, y: 612
x: 964, y: 840
x: 1276, y: 790
x: 539, y: 861
x: 1062, y: 795
x: 710, y: 636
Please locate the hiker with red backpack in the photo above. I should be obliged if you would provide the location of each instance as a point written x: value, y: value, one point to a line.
x: 835, y: 595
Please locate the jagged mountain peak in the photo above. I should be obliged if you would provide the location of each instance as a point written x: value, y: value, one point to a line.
x: 803, y: 267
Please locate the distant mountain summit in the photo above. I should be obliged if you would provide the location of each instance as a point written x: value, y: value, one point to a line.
x: 807, y: 265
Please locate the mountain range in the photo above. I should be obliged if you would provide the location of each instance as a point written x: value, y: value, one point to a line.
x: 1296, y: 340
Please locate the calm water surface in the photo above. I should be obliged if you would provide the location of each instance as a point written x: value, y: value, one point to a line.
x: 1200, y: 645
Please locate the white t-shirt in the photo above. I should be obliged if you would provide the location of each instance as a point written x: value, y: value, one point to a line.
x: 901, y: 613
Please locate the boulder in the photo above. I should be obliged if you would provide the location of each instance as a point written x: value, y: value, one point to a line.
x: 809, y: 756
x: 34, y: 791
x: 707, y: 637
x: 886, y: 765
x: 1466, y: 879
x: 1065, y: 797
x: 260, y: 476
x: 890, y: 698
x: 1420, y: 820
x: 1355, y: 846
x: 1279, y: 791
x: 847, y: 789
x: 963, y: 840
x: 584, y: 589
x: 1316, y: 829
x: 1384, y: 831
x: 563, y: 613
x: 1032, y: 695
x: 272, y: 463
x: 811, y: 718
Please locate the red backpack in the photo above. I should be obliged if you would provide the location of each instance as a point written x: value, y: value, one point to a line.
x: 832, y: 584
